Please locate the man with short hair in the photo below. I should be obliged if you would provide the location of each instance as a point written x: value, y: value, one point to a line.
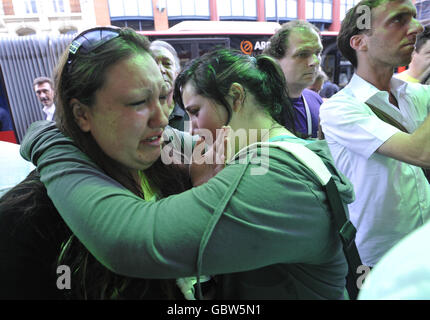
x: 420, y: 59
x: 364, y: 126
x: 43, y: 88
x: 297, y: 48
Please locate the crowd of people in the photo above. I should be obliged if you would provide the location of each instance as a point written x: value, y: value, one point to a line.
x: 241, y: 213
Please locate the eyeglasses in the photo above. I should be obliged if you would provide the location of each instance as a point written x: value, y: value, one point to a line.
x: 89, y: 40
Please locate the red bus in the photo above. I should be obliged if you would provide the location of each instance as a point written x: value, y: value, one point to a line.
x: 193, y: 38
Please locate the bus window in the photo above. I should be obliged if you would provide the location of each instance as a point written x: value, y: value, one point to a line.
x: 206, y: 47
x: 337, y: 68
x: 184, y: 50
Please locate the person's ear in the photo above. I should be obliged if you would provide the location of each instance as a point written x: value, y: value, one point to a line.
x: 81, y: 113
x: 358, y: 42
x: 237, y: 93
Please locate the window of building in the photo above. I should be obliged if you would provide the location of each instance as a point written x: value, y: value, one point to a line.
x: 198, y: 8
x: 319, y: 9
x: 30, y: 6
x: 24, y: 7
x: 281, y: 9
x: 136, y: 24
x: 57, y: 6
x: 130, y: 8
x: 239, y: 9
x: 116, y: 8
x: 136, y: 14
x: 345, y: 5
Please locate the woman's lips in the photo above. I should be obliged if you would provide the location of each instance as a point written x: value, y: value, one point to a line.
x: 154, y: 140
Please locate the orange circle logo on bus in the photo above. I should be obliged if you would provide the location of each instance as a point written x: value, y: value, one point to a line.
x: 246, y: 46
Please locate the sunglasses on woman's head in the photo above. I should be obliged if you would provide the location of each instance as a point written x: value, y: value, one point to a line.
x: 89, y: 40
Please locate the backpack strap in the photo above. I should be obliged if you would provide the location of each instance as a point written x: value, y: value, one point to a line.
x: 386, y: 117
x: 345, y: 228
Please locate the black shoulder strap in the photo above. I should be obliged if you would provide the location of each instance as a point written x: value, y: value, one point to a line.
x: 387, y: 118
x: 347, y: 233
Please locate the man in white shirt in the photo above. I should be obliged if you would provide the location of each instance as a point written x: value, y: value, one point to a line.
x: 382, y: 162
x: 43, y: 87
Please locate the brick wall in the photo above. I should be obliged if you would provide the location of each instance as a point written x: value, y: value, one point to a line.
x: 8, y: 7
x: 75, y: 6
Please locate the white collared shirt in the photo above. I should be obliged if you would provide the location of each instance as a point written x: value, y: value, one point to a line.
x: 49, y: 111
x: 392, y: 197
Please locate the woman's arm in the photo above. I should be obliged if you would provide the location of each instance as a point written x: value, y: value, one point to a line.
x: 260, y: 226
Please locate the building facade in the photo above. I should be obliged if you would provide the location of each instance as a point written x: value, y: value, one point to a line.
x: 27, y: 17
x: 325, y: 14
x: 162, y: 14
x: 24, y: 17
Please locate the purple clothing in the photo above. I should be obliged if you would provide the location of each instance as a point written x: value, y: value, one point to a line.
x: 314, y: 102
x: 328, y: 89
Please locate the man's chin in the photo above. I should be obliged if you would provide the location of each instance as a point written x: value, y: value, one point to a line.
x: 308, y: 80
x: 404, y: 62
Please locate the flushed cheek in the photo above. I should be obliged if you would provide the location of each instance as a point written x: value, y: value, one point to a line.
x: 104, y: 130
x: 121, y: 136
x: 134, y: 124
x: 134, y: 139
